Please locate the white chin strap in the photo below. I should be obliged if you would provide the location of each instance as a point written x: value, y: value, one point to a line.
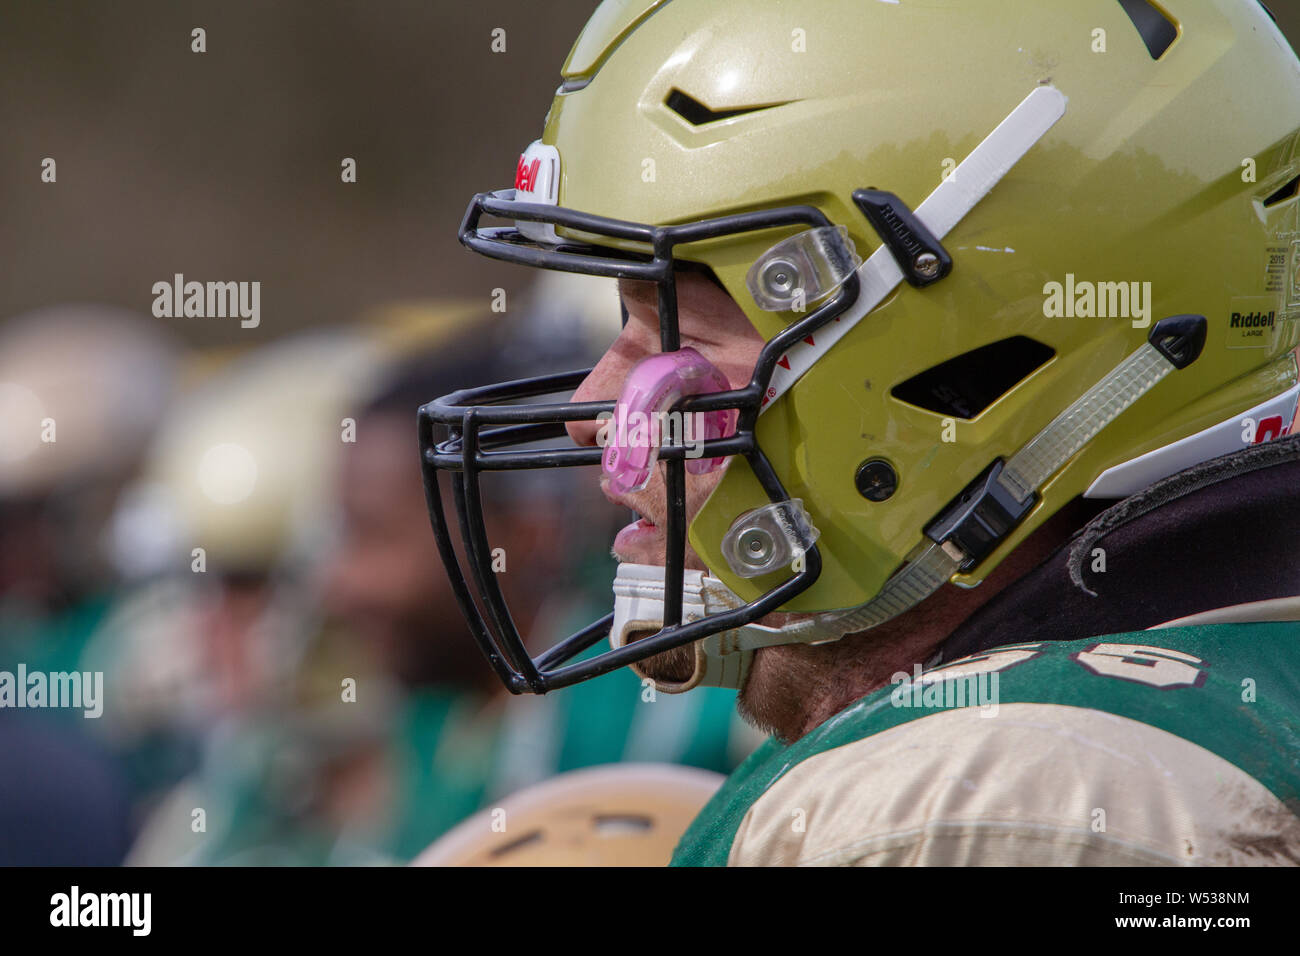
x: 721, y: 660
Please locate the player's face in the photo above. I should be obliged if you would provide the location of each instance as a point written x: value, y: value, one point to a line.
x: 710, y: 322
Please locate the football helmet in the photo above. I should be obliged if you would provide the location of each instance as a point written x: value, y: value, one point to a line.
x: 1003, y: 254
x: 628, y: 814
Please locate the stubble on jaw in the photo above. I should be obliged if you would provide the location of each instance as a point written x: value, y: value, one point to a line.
x: 793, y: 688
x: 673, y: 666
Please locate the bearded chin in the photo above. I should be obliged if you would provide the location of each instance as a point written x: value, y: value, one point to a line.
x: 673, y: 666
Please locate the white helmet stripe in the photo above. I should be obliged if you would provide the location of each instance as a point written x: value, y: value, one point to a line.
x: 956, y: 196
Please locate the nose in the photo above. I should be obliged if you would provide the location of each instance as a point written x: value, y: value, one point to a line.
x: 603, y: 384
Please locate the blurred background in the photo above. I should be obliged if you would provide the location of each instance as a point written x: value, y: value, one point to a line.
x: 223, y: 514
x: 225, y: 517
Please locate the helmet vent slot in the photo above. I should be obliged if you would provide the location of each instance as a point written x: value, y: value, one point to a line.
x: 964, y: 386
x: 1289, y: 191
x: 697, y: 114
x: 1157, y: 29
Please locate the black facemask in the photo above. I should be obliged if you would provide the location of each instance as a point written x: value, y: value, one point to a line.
x: 494, y: 428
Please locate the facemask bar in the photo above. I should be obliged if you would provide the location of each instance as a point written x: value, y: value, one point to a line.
x: 485, y: 435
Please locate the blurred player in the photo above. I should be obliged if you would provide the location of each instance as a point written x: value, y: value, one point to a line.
x: 207, y: 659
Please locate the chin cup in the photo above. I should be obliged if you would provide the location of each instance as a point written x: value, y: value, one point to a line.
x: 720, y: 660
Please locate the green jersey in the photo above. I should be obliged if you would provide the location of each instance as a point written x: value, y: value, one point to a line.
x: 1168, y: 746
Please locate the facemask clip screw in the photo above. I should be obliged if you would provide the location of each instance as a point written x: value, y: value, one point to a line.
x: 927, y: 264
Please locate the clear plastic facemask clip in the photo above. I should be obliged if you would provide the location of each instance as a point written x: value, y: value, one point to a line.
x: 802, y: 269
x: 768, y: 538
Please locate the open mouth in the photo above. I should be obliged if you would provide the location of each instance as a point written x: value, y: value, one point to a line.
x: 640, y: 542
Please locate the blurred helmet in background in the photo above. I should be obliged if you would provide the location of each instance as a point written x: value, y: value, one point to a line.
x: 82, y: 389
x: 242, y: 467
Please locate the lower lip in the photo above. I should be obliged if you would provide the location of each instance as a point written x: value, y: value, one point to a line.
x: 638, y: 535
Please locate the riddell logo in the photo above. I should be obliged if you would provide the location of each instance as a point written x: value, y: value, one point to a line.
x: 1252, y: 320
x: 526, y: 173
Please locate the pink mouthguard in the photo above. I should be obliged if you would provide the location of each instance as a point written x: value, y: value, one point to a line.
x: 653, y: 386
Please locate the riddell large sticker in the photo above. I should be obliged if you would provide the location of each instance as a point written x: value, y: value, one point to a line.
x: 1253, y: 322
